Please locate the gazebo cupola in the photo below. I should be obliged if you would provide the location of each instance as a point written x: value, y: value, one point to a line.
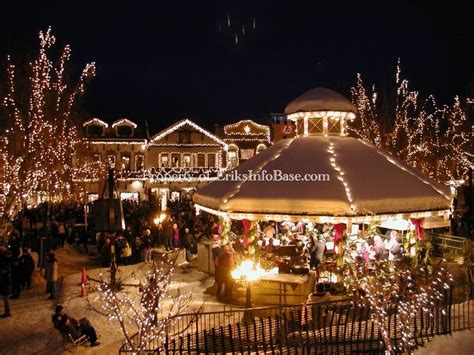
x: 321, y: 112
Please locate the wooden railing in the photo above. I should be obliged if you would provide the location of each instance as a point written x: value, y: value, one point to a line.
x: 329, y: 327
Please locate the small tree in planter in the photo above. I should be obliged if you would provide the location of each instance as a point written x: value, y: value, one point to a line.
x: 146, y: 311
x: 396, y: 288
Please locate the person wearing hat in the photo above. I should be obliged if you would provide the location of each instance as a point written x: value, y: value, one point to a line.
x: 68, y: 325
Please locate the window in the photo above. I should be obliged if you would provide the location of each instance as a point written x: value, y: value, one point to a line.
x: 94, y: 130
x: 97, y: 157
x: 111, y: 161
x: 125, y: 162
x: 201, y: 160
x: 211, y: 160
x: 175, y: 160
x: 124, y: 131
x: 260, y: 148
x: 187, y: 161
x: 164, y: 161
x: 184, y: 137
x: 139, y: 162
x: 246, y: 154
x: 231, y: 159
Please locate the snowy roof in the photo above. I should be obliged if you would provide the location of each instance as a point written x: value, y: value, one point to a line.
x: 189, y: 123
x: 362, y: 181
x: 320, y: 99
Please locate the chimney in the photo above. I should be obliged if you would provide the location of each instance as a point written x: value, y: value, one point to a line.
x: 217, y: 130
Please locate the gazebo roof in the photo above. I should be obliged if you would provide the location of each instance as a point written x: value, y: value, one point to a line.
x: 320, y: 99
x: 356, y: 181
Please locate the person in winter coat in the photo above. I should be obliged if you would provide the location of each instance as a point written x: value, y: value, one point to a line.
x: 16, y: 279
x: 168, y: 235
x: 147, y: 245
x: 188, y: 240
x: 225, y: 262
x: 5, y: 279
x: 176, y: 240
x: 27, y: 266
x: 68, y: 325
x: 51, y: 275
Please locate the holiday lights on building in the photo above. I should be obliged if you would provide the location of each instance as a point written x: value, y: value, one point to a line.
x: 124, y: 121
x: 182, y: 124
x: 247, y: 130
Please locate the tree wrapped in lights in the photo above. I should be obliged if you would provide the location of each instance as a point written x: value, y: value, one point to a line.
x: 146, y: 311
x: 431, y: 139
x: 41, y: 116
x: 389, y: 288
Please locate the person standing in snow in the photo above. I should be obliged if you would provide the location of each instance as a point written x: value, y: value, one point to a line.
x: 51, y: 275
x: 5, y: 279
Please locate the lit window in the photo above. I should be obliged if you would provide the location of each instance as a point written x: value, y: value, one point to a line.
x: 111, y: 160
x: 125, y: 162
x: 260, y: 148
x: 164, y: 161
x: 187, y: 161
x: 139, y: 162
x: 175, y: 160
x: 231, y: 159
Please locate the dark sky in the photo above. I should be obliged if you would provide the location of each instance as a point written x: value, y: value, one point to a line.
x: 165, y: 60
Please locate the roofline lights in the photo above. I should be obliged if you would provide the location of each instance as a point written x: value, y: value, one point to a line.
x: 96, y: 121
x: 122, y: 121
x: 182, y: 123
x: 321, y: 218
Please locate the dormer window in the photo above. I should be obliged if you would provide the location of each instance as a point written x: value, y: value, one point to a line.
x: 124, y: 127
x: 95, y: 127
x: 95, y: 131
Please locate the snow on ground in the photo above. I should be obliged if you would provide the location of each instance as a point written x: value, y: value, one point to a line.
x: 459, y: 343
x: 30, y: 329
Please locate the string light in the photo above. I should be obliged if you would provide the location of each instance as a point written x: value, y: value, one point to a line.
x: 183, y: 123
x: 416, y: 136
x: 43, y: 140
x: 248, y: 129
x: 366, y: 219
x: 124, y: 122
x: 95, y: 121
x: 150, y: 312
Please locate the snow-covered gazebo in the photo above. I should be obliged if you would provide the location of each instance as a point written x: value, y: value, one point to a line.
x: 323, y: 175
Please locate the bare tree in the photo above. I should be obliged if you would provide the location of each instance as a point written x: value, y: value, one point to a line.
x: 145, y: 311
x: 42, y: 136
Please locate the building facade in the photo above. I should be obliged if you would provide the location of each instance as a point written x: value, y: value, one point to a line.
x: 165, y: 166
x: 245, y: 139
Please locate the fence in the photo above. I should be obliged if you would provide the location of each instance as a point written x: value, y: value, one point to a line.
x: 316, y: 328
x: 444, y: 243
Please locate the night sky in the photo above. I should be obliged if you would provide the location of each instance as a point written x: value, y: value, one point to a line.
x: 163, y: 61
